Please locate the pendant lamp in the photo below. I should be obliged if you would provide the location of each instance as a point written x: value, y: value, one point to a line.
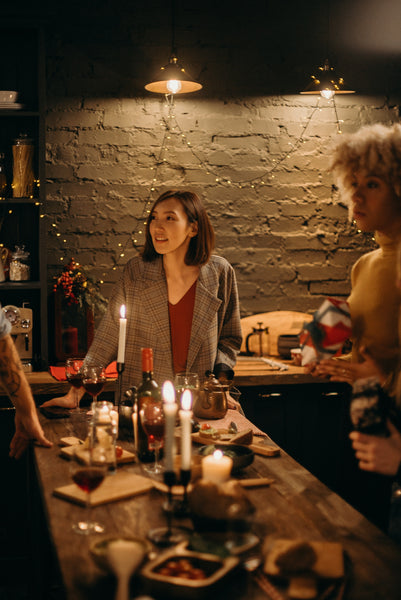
x: 172, y: 78
x: 326, y: 83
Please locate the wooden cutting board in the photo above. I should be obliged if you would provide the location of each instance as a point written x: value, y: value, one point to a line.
x: 259, y: 446
x: 126, y: 457
x: 114, y: 487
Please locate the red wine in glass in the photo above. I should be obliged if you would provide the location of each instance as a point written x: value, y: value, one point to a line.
x: 88, y: 478
x: 154, y: 431
x: 75, y: 380
x: 94, y: 387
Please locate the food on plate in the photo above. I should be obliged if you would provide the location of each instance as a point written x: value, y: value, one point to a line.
x: 181, y: 567
x: 207, y: 431
x: 212, y: 501
x: 299, y: 556
x: 244, y: 437
x: 286, y: 557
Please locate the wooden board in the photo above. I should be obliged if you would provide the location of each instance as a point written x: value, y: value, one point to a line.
x: 126, y: 457
x: 279, y: 322
x: 329, y: 558
x: 259, y: 446
x: 114, y: 487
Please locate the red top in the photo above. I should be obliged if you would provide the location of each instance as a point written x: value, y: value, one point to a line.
x: 180, y: 326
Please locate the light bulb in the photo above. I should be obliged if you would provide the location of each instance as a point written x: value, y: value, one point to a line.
x: 174, y: 86
x: 328, y: 94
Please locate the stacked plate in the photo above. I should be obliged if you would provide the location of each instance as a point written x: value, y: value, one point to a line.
x: 8, y: 100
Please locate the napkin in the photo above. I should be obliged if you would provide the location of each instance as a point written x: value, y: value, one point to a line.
x: 59, y: 372
x: 325, y: 335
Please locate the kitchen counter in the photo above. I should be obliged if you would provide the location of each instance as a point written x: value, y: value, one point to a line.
x: 296, y: 505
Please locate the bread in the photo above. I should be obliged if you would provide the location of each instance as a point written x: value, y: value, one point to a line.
x: 206, y: 499
x: 299, y: 556
x: 243, y: 437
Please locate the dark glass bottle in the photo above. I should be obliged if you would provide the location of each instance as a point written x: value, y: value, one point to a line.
x: 148, y: 390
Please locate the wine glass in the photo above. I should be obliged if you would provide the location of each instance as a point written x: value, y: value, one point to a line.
x: 187, y: 381
x: 88, y: 470
x: 93, y: 380
x: 153, y: 421
x: 73, y: 372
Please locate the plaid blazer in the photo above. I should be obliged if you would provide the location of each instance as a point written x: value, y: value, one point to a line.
x: 216, y: 329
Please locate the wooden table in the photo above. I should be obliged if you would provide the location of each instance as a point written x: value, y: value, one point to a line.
x: 248, y: 372
x: 296, y: 505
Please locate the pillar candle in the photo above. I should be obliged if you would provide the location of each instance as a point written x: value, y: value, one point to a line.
x: 186, y: 426
x: 170, y: 411
x: 216, y: 467
x: 121, y: 335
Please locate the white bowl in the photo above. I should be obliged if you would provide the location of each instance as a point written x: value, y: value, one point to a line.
x: 8, y: 96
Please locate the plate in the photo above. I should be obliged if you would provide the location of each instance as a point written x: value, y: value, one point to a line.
x: 163, y: 572
x: 242, y: 456
x: 98, y: 548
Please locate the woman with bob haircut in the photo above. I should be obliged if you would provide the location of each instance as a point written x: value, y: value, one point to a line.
x: 180, y: 300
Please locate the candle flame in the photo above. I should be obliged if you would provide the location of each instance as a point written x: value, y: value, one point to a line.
x: 122, y: 311
x: 186, y: 400
x: 217, y: 455
x: 168, y: 392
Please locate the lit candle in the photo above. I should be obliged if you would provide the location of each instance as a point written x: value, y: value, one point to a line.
x: 186, y: 426
x: 216, y: 467
x: 121, y: 336
x: 170, y: 410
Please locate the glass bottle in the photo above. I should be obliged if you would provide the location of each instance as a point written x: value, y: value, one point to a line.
x: 23, y: 177
x: 147, y: 390
x: 20, y: 269
x: 3, y: 178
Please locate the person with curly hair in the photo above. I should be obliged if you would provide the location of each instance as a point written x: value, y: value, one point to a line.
x: 367, y: 165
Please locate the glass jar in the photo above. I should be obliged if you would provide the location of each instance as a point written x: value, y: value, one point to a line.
x: 23, y: 176
x: 20, y: 269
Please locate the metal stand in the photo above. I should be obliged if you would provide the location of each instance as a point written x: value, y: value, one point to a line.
x: 118, y: 392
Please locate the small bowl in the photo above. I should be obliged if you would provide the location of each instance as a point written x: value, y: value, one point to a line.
x: 98, y: 549
x: 242, y: 456
x: 156, y: 573
x: 7, y: 96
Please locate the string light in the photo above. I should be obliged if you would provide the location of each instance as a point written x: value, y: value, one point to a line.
x: 173, y: 129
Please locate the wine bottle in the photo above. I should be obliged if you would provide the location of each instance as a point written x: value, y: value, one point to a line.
x: 148, y: 390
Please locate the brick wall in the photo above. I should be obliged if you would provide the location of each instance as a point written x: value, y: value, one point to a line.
x: 259, y: 161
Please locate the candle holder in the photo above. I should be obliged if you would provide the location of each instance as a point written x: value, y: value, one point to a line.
x: 168, y: 536
x: 180, y: 507
x: 118, y: 392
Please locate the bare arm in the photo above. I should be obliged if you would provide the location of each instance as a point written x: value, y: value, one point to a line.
x: 14, y: 381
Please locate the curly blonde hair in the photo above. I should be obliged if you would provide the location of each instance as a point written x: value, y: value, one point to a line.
x: 373, y: 148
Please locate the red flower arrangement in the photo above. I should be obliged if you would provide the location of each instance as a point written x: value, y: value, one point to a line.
x: 77, y: 288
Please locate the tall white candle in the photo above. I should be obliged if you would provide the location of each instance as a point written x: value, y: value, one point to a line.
x: 121, y: 336
x: 185, y: 420
x: 170, y: 411
x: 217, y: 467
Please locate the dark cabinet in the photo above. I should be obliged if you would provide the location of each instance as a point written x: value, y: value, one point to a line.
x: 21, y: 219
x: 309, y: 421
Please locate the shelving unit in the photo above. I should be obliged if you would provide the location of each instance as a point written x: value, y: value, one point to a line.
x: 22, y: 69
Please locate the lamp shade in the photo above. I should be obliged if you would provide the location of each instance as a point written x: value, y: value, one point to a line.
x: 173, y: 79
x: 326, y: 83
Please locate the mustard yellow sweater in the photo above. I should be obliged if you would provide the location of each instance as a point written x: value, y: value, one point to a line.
x: 375, y: 304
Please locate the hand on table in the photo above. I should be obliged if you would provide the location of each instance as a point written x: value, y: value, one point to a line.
x: 378, y: 454
x: 27, y: 428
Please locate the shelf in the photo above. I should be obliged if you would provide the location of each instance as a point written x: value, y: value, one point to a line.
x: 20, y: 285
x: 4, y: 112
